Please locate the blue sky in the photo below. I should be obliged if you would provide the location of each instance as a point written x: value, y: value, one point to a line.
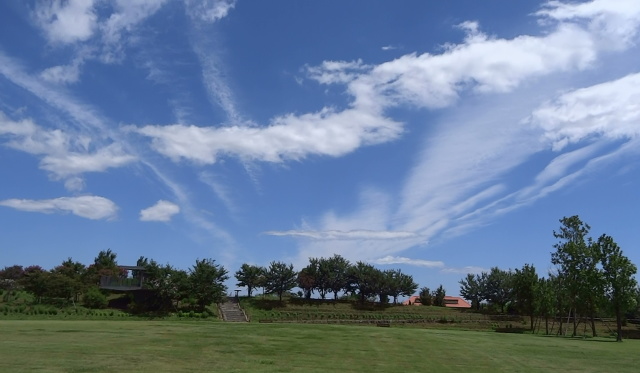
x: 437, y: 137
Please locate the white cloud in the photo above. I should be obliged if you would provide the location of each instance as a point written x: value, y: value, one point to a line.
x: 465, y: 270
x: 461, y: 171
x: 126, y: 16
x: 209, y: 10
x: 214, y: 78
x: 480, y: 63
x: 287, y: 138
x: 334, y: 72
x: 414, y: 262
x: 66, y: 21
x: 90, y: 207
x: 161, y: 211
x: 610, y: 109
x: 63, y: 74
x: 613, y: 22
x: 345, y: 235
x: 63, y: 155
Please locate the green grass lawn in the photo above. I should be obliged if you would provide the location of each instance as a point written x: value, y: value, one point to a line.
x: 184, y: 346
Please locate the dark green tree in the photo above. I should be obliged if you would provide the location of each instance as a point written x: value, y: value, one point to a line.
x: 471, y: 288
x: 365, y: 280
x: 308, y: 278
x: 280, y: 278
x: 249, y: 275
x: 167, y: 286
x: 545, y: 300
x: 34, y: 281
x: 438, y: 296
x: 206, y: 280
x: 74, y: 271
x: 525, y: 291
x: 498, y: 287
x: 105, y: 264
x: 336, y: 272
x: 426, y: 296
x: 577, y: 264
x: 619, y: 281
x: 400, y: 284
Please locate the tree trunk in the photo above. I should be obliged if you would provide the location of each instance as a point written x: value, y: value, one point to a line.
x: 532, y: 320
x: 593, y: 325
x: 546, y: 325
x: 560, y: 327
x: 575, y: 322
x: 618, y: 324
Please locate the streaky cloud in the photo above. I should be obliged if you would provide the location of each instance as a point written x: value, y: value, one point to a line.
x: 389, y: 259
x: 344, y: 235
x: 90, y: 207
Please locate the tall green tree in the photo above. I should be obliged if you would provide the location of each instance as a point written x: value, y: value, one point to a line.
x: 400, y: 284
x: 619, y: 281
x: 472, y: 289
x: 167, y: 286
x: 105, y: 264
x: 34, y: 281
x: 545, y: 300
x: 426, y: 296
x: 74, y: 271
x: 525, y: 291
x: 280, y: 278
x: 365, y: 280
x: 206, y: 280
x: 498, y: 288
x: 577, y: 263
x: 309, y: 277
x: 336, y: 271
x: 438, y: 296
x: 250, y: 276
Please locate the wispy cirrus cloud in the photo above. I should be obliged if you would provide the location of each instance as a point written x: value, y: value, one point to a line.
x: 162, y: 211
x: 464, y: 270
x: 461, y: 170
x: 63, y: 74
x: 90, y: 207
x: 209, y: 10
x: 331, y: 235
x: 389, y: 259
x: 80, y: 22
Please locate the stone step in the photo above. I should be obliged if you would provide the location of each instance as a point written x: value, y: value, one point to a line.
x: 231, y: 311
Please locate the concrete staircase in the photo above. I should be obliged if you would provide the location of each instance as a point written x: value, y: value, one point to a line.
x: 231, y: 311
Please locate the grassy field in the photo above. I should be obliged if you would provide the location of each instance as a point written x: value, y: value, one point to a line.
x: 168, y: 346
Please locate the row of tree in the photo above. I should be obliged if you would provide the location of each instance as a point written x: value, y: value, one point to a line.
x: 166, y: 287
x: 328, y: 275
x: 591, y: 278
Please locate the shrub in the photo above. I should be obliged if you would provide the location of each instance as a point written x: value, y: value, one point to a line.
x: 93, y: 298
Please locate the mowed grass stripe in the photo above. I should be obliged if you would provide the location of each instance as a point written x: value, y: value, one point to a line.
x: 162, y: 346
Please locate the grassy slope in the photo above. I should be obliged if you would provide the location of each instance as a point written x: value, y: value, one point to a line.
x: 165, y: 346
